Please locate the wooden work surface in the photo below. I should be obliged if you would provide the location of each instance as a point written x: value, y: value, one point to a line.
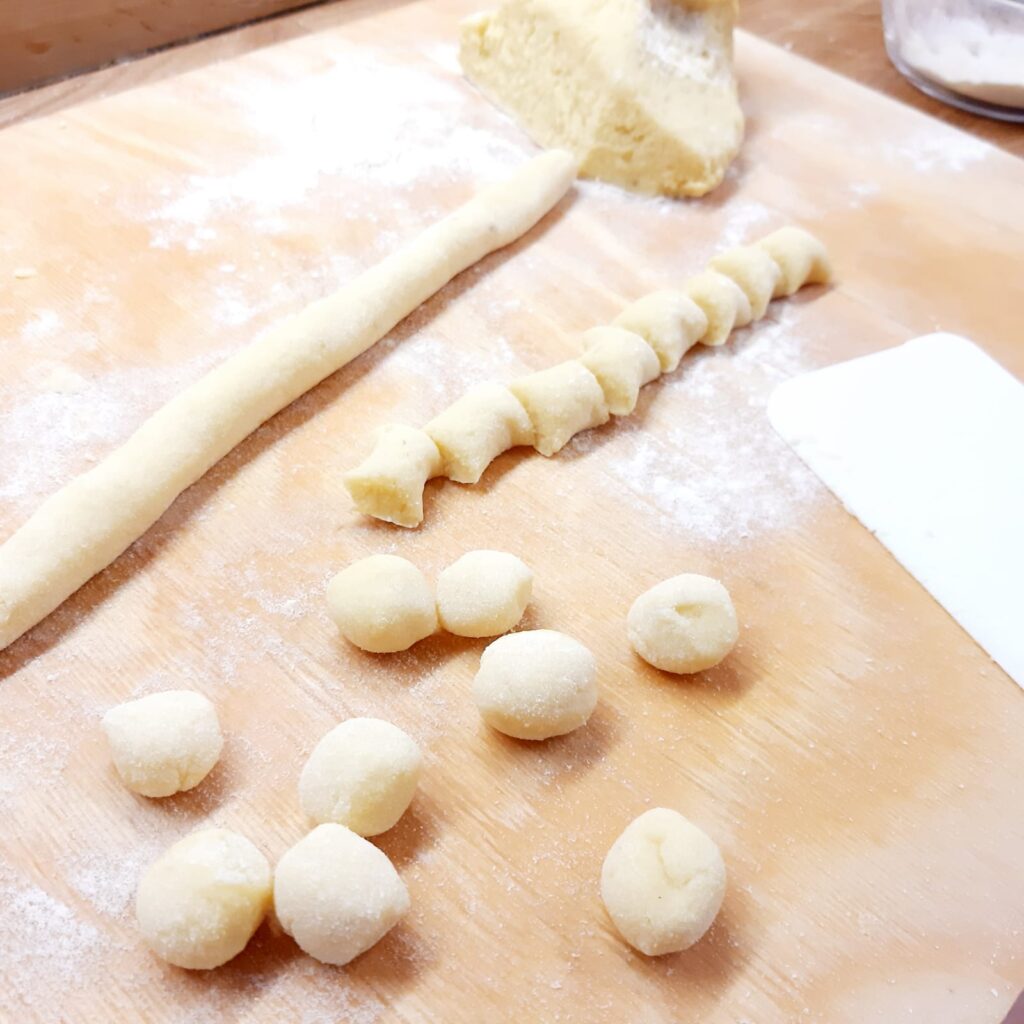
x: 857, y: 758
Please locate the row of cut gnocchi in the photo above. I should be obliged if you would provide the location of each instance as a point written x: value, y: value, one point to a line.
x: 335, y: 893
x: 546, y: 409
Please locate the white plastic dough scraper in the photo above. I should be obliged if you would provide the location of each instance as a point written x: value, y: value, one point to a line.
x: 924, y: 444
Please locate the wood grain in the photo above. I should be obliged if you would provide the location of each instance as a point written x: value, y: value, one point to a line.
x: 39, y: 41
x: 857, y: 758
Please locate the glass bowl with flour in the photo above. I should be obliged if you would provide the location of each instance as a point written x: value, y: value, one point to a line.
x: 966, y: 52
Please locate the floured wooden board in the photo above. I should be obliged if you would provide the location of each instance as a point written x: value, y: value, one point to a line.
x: 858, y: 757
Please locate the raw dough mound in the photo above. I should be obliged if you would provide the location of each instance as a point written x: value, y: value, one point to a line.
x: 362, y: 774
x: 662, y: 882
x: 164, y: 743
x: 382, y: 604
x: 642, y: 91
x: 199, y: 904
x: 484, y: 593
x: 337, y: 895
x: 685, y: 624
x: 536, y: 684
x: 388, y: 484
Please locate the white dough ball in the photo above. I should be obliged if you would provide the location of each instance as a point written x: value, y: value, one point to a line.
x: 484, y: 593
x: 382, y: 604
x: 164, y: 743
x: 663, y: 882
x: 362, y: 775
x: 685, y: 624
x: 536, y: 684
x: 337, y: 895
x: 199, y: 904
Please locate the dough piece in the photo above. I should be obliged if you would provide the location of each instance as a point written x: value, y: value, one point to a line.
x: 724, y: 304
x: 622, y: 362
x: 800, y: 257
x: 337, y: 895
x: 753, y: 269
x: 473, y: 431
x: 388, y: 484
x: 642, y: 91
x: 382, y: 604
x: 483, y: 593
x: 165, y: 743
x: 560, y: 401
x: 684, y: 624
x: 669, y: 321
x: 200, y: 902
x: 536, y: 684
x: 362, y: 775
x: 663, y: 882
x: 85, y: 526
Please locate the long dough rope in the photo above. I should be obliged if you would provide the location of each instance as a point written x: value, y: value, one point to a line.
x: 84, y: 527
x: 546, y: 409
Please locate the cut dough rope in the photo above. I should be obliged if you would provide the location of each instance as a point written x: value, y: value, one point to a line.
x: 546, y: 409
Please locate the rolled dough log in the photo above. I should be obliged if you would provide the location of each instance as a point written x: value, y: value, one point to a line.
x: 83, y: 527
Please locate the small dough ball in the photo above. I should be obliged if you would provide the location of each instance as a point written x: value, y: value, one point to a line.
x: 484, y: 593
x: 536, y: 684
x: 362, y: 774
x: 382, y: 604
x: 685, y: 624
x: 199, y: 904
x: 164, y: 743
x: 663, y: 882
x: 337, y: 895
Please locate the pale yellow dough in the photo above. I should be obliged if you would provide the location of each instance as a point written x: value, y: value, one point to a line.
x: 622, y: 362
x: 724, y: 303
x: 642, y: 91
x: 483, y: 593
x: 663, y: 882
x: 200, y: 902
x: 683, y: 624
x: 382, y: 604
x: 669, y: 321
x: 337, y: 895
x: 362, y: 775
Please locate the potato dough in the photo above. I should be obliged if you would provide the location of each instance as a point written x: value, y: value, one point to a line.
x: 382, y: 604
x: 754, y: 270
x: 669, y: 321
x: 560, y: 401
x: 362, y: 774
x: 200, y: 902
x: 483, y: 593
x: 684, y: 624
x: 476, y: 428
x: 662, y: 882
x: 164, y: 743
x: 337, y: 895
x: 536, y: 684
x: 622, y: 362
x: 800, y: 257
x: 388, y: 484
x: 724, y: 302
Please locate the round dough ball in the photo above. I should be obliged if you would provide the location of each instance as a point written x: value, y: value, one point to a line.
x: 362, y: 774
x: 685, y: 624
x: 337, y: 895
x: 536, y: 684
x: 382, y: 604
x: 663, y: 882
x: 199, y: 904
x: 164, y: 743
x: 484, y: 593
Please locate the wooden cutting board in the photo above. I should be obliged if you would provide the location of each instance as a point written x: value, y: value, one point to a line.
x: 858, y: 758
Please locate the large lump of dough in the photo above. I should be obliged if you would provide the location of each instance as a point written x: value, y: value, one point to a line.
x: 642, y: 91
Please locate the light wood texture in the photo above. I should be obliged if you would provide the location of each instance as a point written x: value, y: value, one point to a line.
x: 857, y: 758
x: 41, y: 40
x: 846, y: 36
